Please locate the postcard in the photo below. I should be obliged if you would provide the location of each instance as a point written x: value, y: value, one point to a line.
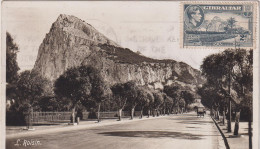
x: 130, y: 74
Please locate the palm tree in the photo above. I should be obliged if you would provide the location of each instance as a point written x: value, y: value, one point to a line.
x: 231, y: 23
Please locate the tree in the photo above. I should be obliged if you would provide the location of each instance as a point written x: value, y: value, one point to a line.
x: 119, y: 93
x: 213, y: 99
x: 49, y: 103
x: 100, y: 91
x: 144, y: 98
x: 230, y: 74
x: 168, y: 104
x: 158, y: 100
x: 231, y: 23
x: 173, y: 91
x: 12, y: 67
x: 151, y: 101
x: 181, y: 104
x: 218, y: 68
x: 131, y: 93
x: 188, y: 98
x: 31, y: 87
x: 242, y: 74
x: 79, y: 84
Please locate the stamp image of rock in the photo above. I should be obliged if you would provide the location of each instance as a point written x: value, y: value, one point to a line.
x: 218, y: 25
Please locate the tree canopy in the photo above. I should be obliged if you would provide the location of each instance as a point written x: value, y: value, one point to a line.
x: 12, y: 67
x: 80, y: 84
x: 31, y: 87
x: 229, y: 73
x: 187, y: 96
x: 158, y: 99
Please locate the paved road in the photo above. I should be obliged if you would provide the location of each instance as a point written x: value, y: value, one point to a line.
x: 168, y: 132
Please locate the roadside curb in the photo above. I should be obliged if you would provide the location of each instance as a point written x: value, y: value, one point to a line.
x: 222, y: 134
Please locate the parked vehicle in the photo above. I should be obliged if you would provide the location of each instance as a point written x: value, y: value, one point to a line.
x: 200, y: 111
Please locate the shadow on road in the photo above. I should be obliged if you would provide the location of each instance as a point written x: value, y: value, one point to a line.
x: 196, y: 122
x: 183, y: 118
x: 154, y: 134
x: 192, y: 127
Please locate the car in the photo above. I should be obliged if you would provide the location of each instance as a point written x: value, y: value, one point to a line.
x: 200, y: 111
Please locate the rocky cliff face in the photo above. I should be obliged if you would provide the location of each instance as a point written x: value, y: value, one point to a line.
x: 72, y: 42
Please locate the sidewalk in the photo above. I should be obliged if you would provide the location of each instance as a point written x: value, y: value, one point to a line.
x: 236, y: 142
x: 17, y: 131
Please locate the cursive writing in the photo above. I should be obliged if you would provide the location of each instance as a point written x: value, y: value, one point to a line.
x: 29, y: 142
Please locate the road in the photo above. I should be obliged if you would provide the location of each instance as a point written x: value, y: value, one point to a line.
x: 185, y: 131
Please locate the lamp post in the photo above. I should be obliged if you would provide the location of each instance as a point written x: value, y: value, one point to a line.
x: 229, y: 101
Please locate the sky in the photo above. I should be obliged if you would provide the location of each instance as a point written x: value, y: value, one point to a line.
x: 153, y: 28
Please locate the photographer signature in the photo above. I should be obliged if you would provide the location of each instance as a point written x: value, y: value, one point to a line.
x: 24, y: 142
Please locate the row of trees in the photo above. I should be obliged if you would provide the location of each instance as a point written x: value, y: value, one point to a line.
x: 84, y: 86
x: 229, y: 84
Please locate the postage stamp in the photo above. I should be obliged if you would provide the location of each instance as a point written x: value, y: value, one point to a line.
x: 219, y: 25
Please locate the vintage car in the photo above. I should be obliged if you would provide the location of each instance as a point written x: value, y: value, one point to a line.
x: 200, y: 111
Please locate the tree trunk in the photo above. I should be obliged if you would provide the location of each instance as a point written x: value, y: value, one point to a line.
x: 229, y: 103
x: 30, y: 117
x: 149, y: 112
x: 132, y: 112
x: 217, y: 114
x: 98, y: 115
x: 211, y: 111
x: 153, y: 112
x: 120, y: 114
x: 224, y: 116
x: 229, y: 117
x: 141, y: 114
x: 73, y: 115
x: 237, y: 123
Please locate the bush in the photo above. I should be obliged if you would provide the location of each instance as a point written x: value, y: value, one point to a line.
x: 15, y: 119
x: 92, y: 115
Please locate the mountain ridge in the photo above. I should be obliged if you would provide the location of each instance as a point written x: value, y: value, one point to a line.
x: 72, y: 42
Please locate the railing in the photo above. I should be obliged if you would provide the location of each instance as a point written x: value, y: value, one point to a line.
x: 52, y: 117
x: 112, y: 114
x: 128, y: 113
x: 41, y: 117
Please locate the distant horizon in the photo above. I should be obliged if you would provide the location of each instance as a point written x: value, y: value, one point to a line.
x: 153, y: 33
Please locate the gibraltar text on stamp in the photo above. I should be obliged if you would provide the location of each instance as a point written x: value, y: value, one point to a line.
x: 218, y: 25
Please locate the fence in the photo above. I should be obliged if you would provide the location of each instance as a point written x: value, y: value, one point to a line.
x: 114, y: 114
x: 58, y: 117
x: 42, y: 117
x: 128, y: 113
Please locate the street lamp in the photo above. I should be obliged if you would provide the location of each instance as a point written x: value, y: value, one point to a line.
x: 229, y: 114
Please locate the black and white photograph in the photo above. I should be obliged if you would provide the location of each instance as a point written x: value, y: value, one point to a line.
x: 117, y: 75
